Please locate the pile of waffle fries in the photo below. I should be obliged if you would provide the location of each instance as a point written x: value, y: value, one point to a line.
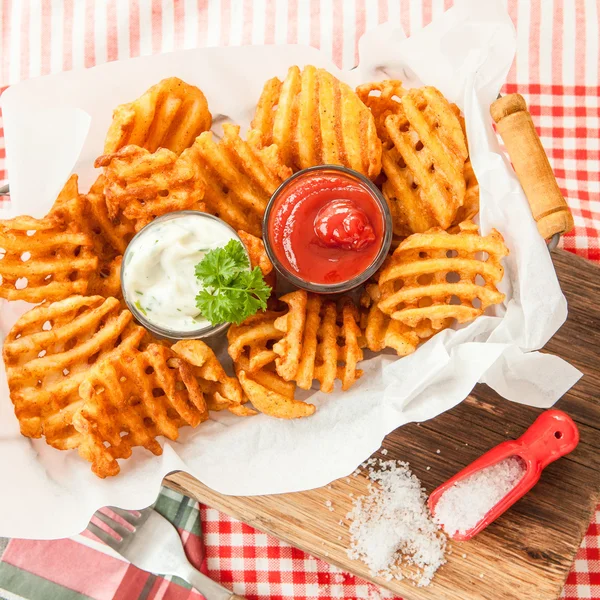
x: 84, y: 375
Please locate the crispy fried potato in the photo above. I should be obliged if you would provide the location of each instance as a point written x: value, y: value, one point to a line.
x: 129, y: 400
x: 171, y: 114
x: 250, y: 347
x: 429, y: 272
x: 239, y: 176
x: 321, y: 341
x: 254, y: 338
x: 425, y: 184
x: 50, y: 258
x: 383, y: 99
x: 111, y: 235
x: 271, y: 395
x: 143, y: 185
x: 315, y: 119
x: 48, y: 353
x: 380, y: 331
x: 220, y: 391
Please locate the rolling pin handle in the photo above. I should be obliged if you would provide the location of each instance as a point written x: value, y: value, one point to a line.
x: 515, y: 126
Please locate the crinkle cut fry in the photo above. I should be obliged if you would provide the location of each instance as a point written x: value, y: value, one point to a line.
x: 130, y: 400
x: 49, y: 258
x: 429, y: 270
x: 310, y: 349
x: 143, y: 185
x: 170, y: 114
x: 239, y: 176
x: 48, y: 352
x: 314, y: 118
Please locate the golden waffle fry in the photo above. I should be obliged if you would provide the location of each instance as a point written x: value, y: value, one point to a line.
x: 383, y: 99
x: 321, y: 341
x: 380, y: 331
x: 129, y: 400
x: 254, y: 338
x: 48, y: 353
x: 315, y: 119
x: 256, y: 251
x: 76, y: 210
x: 436, y: 276
x: 470, y: 205
x: 111, y: 235
x: 239, y: 176
x: 46, y: 259
x: 171, y: 114
x: 425, y: 184
x: 220, y: 391
x: 270, y: 394
x: 143, y: 185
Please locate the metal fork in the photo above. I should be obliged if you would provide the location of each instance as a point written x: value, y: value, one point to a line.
x: 153, y: 544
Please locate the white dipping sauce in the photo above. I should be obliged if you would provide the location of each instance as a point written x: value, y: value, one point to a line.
x: 159, y: 274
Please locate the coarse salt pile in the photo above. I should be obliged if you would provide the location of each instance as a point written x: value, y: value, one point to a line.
x: 463, y: 505
x: 392, y: 526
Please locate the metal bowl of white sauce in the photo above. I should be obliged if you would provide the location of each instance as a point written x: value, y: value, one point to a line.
x: 158, y: 277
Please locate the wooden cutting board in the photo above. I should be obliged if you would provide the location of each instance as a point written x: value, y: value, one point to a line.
x: 528, y: 552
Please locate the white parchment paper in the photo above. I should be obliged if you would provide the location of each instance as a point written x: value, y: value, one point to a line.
x: 56, y: 125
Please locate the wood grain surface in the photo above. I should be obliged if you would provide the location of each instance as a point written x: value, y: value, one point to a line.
x: 526, y: 553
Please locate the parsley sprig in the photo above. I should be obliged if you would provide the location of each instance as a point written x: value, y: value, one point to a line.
x: 230, y: 292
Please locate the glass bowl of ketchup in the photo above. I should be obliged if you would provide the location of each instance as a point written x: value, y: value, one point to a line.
x: 327, y: 229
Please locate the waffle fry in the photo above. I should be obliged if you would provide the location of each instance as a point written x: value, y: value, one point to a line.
x: 257, y: 253
x: 48, y: 353
x: 131, y: 399
x: 429, y: 272
x: 239, y: 176
x: 271, y: 395
x: 254, y: 338
x: 250, y: 347
x: 220, y: 391
x: 46, y: 259
x: 383, y: 99
x: 143, y: 185
x: 111, y: 235
x: 321, y: 341
x: 315, y: 119
x: 380, y: 331
x: 425, y: 184
x: 171, y: 114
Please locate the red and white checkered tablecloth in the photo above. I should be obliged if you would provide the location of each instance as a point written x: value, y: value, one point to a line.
x: 557, y: 69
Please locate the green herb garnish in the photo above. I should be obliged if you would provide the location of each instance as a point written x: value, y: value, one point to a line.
x: 231, y: 291
x: 138, y: 292
x: 140, y: 308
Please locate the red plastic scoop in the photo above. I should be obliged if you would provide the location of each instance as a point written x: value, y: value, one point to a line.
x: 552, y: 435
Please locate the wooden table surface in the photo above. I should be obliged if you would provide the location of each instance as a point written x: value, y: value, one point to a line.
x: 528, y: 552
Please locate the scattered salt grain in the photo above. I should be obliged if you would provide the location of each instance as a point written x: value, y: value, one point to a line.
x: 464, y: 556
x: 437, y: 451
x: 481, y: 575
x: 391, y: 526
x: 462, y: 506
x: 341, y: 522
x: 384, y: 452
x: 428, y: 468
x: 327, y: 503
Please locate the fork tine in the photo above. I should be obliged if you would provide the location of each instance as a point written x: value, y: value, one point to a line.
x: 108, y: 539
x: 116, y: 527
x: 125, y: 514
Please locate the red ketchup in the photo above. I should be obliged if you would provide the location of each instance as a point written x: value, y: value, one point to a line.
x: 326, y: 227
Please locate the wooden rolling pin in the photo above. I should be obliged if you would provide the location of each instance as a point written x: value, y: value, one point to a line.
x: 530, y: 162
